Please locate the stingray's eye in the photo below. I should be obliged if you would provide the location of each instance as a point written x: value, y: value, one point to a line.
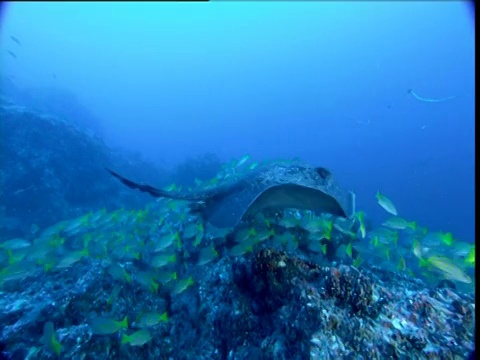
x: 324, y: 173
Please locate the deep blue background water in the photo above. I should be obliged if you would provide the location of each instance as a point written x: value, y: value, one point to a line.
x: 326, y: 82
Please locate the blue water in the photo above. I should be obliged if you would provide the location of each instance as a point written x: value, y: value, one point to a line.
x: 326, y: 82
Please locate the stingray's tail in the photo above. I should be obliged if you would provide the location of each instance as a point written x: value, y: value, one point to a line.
x: 155, y: 192
x: 142, y: 187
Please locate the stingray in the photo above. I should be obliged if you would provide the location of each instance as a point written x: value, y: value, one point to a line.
x: 269, y: 187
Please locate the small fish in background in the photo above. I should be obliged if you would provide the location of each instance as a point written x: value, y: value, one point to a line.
x: 12, y: 54
x: 54, y: 76
x: 386, y: 204
x: 171, y: 187
x: 242, y: 160
x: 253, y: 166
x: 429, y: 100
x: 15, y: 40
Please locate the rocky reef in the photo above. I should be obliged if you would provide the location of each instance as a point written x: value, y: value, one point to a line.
x: 45, y: 164
x: 266, y: 305
x: 48, y: 154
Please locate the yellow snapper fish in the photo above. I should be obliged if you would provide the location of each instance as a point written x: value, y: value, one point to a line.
x: 181, y: 285
x: 78, y: 224
x: 192, y: 230
x: 317, y: 246
x: 14, y: 244
x: 138, y: 338
x: 244, y: 234
x: 289, y: 222
x: 118, y: 272
x: 384, y: 236
x: 457, y: 251
x: 166, y: 240
x: 386, y: 204
x: 72, y: 258
x: 319, y: 226
x: 105, y: 326
x: 164, y: 277
x: 399, y: 223
x: 161, y: 260
x: 446, y: 238
x: 114, y: 295
x: 348, y: 250
x: 447, y: 268
x: 15, y: 256
x: 242, y: 160
x: 360, y: 216
x: 345, y: 225
x: 437, y: 243
x: 147, y: 279
x: 241, y: 249
x: 288, y: 241
x: 470, y: 258
x: 206, y: 255
x: 151, y: 319
x: 264, y: 234
x: 50, y: 339
x: 253, y: 238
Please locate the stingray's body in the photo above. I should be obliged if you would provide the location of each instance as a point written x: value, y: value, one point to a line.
x: 271, y: 186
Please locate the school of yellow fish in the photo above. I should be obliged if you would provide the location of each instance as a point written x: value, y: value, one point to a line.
x: 170, y: 241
